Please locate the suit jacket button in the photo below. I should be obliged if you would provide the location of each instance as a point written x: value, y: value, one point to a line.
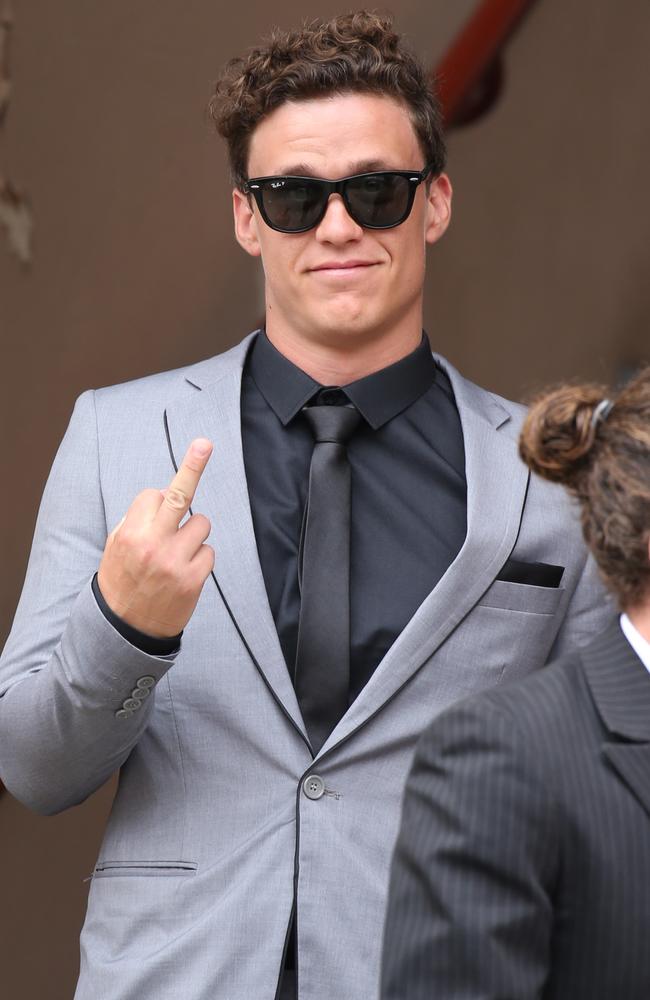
x: 140, y: 693
x: 131, y: 704
x: 146, y: 682
x: 313, y: 786
x: 123, y: 713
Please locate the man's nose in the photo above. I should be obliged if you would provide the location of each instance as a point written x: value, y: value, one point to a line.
x: 337, y: 225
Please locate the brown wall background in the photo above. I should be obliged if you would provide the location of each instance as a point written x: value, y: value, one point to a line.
x: 541, y: 277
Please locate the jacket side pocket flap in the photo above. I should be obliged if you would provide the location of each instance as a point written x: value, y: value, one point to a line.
x: 108, y: 869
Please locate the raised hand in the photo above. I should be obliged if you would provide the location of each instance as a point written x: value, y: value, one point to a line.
x: 152, y: 571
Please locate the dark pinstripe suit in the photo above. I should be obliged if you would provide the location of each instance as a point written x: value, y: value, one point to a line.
x: 523, y: 864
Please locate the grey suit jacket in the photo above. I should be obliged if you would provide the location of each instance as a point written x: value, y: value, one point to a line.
x: 211, y: 829
x: 522, y: 869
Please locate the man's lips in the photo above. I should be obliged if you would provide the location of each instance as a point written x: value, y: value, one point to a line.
x: 341, y: 266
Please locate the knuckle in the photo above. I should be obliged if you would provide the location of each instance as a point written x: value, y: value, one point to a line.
x: 125, y: 535
x: 201, y: 523
x: 187, y: 587
x: 146, y: 496
x: 147, y: 551
x: 176, y: 499
x: 168, y: 566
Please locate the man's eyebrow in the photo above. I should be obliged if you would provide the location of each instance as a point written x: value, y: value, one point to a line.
x: 297, y: 170
x: 360, y: 167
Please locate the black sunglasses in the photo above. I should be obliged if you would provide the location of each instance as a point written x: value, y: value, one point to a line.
x: 379, y: 200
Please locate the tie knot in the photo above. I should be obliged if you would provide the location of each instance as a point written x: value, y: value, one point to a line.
x: 333, y: 418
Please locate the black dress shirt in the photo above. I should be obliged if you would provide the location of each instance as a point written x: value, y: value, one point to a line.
x: 408, y: 516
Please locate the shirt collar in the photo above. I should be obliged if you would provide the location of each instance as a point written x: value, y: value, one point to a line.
x: 379, y: 397
x: 640, y: 645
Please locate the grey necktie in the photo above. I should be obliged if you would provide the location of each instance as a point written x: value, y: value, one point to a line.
x: 322, y: 677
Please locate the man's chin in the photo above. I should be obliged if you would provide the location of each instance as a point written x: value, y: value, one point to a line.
x: 344, y: 331
x: 353, y: 323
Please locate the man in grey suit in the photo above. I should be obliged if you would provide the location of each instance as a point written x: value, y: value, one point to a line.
x: 258, y: 676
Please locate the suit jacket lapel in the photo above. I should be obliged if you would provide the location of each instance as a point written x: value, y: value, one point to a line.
x: 620, y: 686
x: 493, y: 519
x: 223, y: 497
x: 632, y: 762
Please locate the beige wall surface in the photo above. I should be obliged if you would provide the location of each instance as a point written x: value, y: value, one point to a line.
x: 541, y: 276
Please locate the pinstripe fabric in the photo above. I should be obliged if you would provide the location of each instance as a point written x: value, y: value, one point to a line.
x: 522, y: 869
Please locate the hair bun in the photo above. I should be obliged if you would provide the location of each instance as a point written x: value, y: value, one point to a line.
x: 559, y: 432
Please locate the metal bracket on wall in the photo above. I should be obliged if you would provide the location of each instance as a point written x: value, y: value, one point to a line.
x: 469, y: 77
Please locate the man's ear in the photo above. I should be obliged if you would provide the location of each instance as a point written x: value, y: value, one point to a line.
x: 439, y: 195
x: 245, y: 223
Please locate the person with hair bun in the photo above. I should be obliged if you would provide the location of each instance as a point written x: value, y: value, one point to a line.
x: 599, y: 448
x: 522, y: 869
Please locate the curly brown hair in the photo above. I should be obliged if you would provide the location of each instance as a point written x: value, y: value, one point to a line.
x: 358, y: 52
x: 605, y: 462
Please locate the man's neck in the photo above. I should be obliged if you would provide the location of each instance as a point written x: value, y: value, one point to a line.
x: 640, y: 618
x: 342, y: 363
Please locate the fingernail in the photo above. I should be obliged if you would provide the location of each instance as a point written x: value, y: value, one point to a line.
x: 202, y: 447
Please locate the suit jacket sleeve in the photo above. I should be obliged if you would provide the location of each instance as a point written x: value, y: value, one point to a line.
x: 65, y: 671
x: 470, y: 914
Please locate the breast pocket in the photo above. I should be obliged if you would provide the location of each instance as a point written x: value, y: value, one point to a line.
x: 522, y: 597
x: 510, y: 632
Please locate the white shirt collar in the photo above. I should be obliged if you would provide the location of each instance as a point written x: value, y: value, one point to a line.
x: 640, y: 645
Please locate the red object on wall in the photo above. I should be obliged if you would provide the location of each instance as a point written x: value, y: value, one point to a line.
x: 469, y: 76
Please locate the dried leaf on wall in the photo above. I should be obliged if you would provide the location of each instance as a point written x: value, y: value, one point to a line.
x: 16, y: 220
x: 6, y: 25
x: 5, y: 96
x: 16, y: 217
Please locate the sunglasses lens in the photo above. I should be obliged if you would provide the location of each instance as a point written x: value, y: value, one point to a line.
x: 378, y: 200
x: 293, y: 203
